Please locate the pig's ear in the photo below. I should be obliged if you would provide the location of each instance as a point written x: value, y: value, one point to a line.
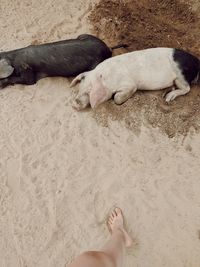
x: 5, y: 68
x: 98, y: 95
x: 77, y: 79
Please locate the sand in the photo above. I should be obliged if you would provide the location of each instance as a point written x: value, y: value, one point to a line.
x: 61, y: 171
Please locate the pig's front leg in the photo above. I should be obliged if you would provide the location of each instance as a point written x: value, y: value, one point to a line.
x: 182, y: 89
x: 124, y: 93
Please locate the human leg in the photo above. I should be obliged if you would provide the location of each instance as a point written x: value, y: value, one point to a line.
x: 112, y: 253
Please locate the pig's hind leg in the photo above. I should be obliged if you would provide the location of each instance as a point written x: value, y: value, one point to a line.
x: 26, y: 77
x: 124, y: 93
x: 182, y: 89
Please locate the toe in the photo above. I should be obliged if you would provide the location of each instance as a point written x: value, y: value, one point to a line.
x: 110, y: 220
x: 109, y: 225
x: 118, y: 211
x: 113, y: 215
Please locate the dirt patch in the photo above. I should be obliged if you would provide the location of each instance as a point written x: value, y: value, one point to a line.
x: 143, y: 24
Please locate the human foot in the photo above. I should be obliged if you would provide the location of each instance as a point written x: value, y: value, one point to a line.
x: 116, y: 222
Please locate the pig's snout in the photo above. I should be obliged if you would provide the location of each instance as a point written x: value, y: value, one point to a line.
x: 81, y: 102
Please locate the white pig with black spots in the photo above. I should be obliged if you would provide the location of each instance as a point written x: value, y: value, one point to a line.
x: 149, y: 69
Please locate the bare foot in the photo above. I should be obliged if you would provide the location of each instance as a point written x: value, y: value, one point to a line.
x: 116, y: 222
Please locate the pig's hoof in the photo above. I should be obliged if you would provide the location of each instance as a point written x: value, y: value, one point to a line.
x: 167, y: 92
x: 170, y: 96
x: 118, y: 99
